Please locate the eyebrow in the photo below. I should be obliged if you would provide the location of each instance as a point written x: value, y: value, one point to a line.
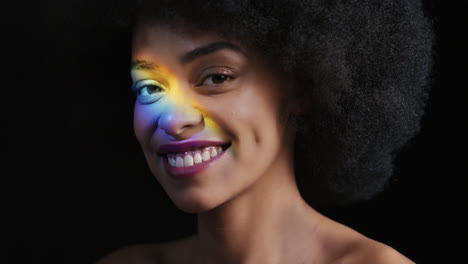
x: 207, y: 49
x: 142, y: 65
x: 189, y: 56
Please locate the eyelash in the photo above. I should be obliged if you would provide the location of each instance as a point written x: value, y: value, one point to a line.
x: 149, y: 97
x: 227, y: 78
x: 139, y: 86
x: 139, y: 90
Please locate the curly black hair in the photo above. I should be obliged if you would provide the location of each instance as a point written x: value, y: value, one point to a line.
x: 364, y: 67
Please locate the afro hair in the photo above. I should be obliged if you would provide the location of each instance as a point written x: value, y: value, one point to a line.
x: 363, y: 66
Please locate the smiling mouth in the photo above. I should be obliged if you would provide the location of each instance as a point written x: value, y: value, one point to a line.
x: 189, y: 158
x: 198, y: 156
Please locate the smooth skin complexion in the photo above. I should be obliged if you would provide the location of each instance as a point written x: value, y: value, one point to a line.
x: 197, y: 87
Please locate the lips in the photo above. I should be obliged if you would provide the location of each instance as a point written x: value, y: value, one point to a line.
x: 183, y: 159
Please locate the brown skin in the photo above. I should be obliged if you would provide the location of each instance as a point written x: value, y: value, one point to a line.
x: 248, y: 204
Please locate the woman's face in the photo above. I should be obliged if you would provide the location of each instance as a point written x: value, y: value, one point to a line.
x: 208, y: 115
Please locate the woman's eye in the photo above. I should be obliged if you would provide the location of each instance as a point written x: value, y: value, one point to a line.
x: 214, y: 79
x: 148, y: 91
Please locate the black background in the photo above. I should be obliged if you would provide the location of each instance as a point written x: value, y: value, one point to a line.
x: 76, y: 184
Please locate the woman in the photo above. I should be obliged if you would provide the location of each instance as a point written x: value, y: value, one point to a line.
x: 240, y: 104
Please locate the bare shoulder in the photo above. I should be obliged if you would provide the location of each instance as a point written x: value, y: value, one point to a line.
x: 141, y: 254
x: 370, y: 251
x: 384, y: 254
x: 346, y: 245
x: 170, y: 252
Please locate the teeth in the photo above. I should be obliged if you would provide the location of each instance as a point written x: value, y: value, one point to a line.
x: 188, y: 159
x: 179, y: 162
x: 206, y: 155
x: 172, y: 161
x: 197, y: 158
x: 213, y: 152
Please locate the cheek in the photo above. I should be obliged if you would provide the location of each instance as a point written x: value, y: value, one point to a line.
x: 145, y: 119
x: 254, y: 120
x: 261, y: 109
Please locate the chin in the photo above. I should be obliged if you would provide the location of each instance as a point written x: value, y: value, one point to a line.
x: 194, y: 204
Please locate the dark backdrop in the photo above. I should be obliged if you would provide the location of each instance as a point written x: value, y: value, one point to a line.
x: 78, y: 186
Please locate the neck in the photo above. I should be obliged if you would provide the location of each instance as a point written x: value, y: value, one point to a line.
x: 262, y: 222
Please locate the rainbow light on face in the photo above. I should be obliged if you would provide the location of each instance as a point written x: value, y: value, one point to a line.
x: 175, y: 97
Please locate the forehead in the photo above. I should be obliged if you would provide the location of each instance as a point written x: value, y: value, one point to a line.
x: 171, y: 40
x: 169, y: 45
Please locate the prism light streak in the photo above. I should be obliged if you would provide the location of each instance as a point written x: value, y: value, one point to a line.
x: 174, y: 96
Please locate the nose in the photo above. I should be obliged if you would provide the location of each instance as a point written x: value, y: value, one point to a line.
x: 181, y: 120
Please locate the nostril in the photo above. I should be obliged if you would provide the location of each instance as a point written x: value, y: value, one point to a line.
x: 181, y: 123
